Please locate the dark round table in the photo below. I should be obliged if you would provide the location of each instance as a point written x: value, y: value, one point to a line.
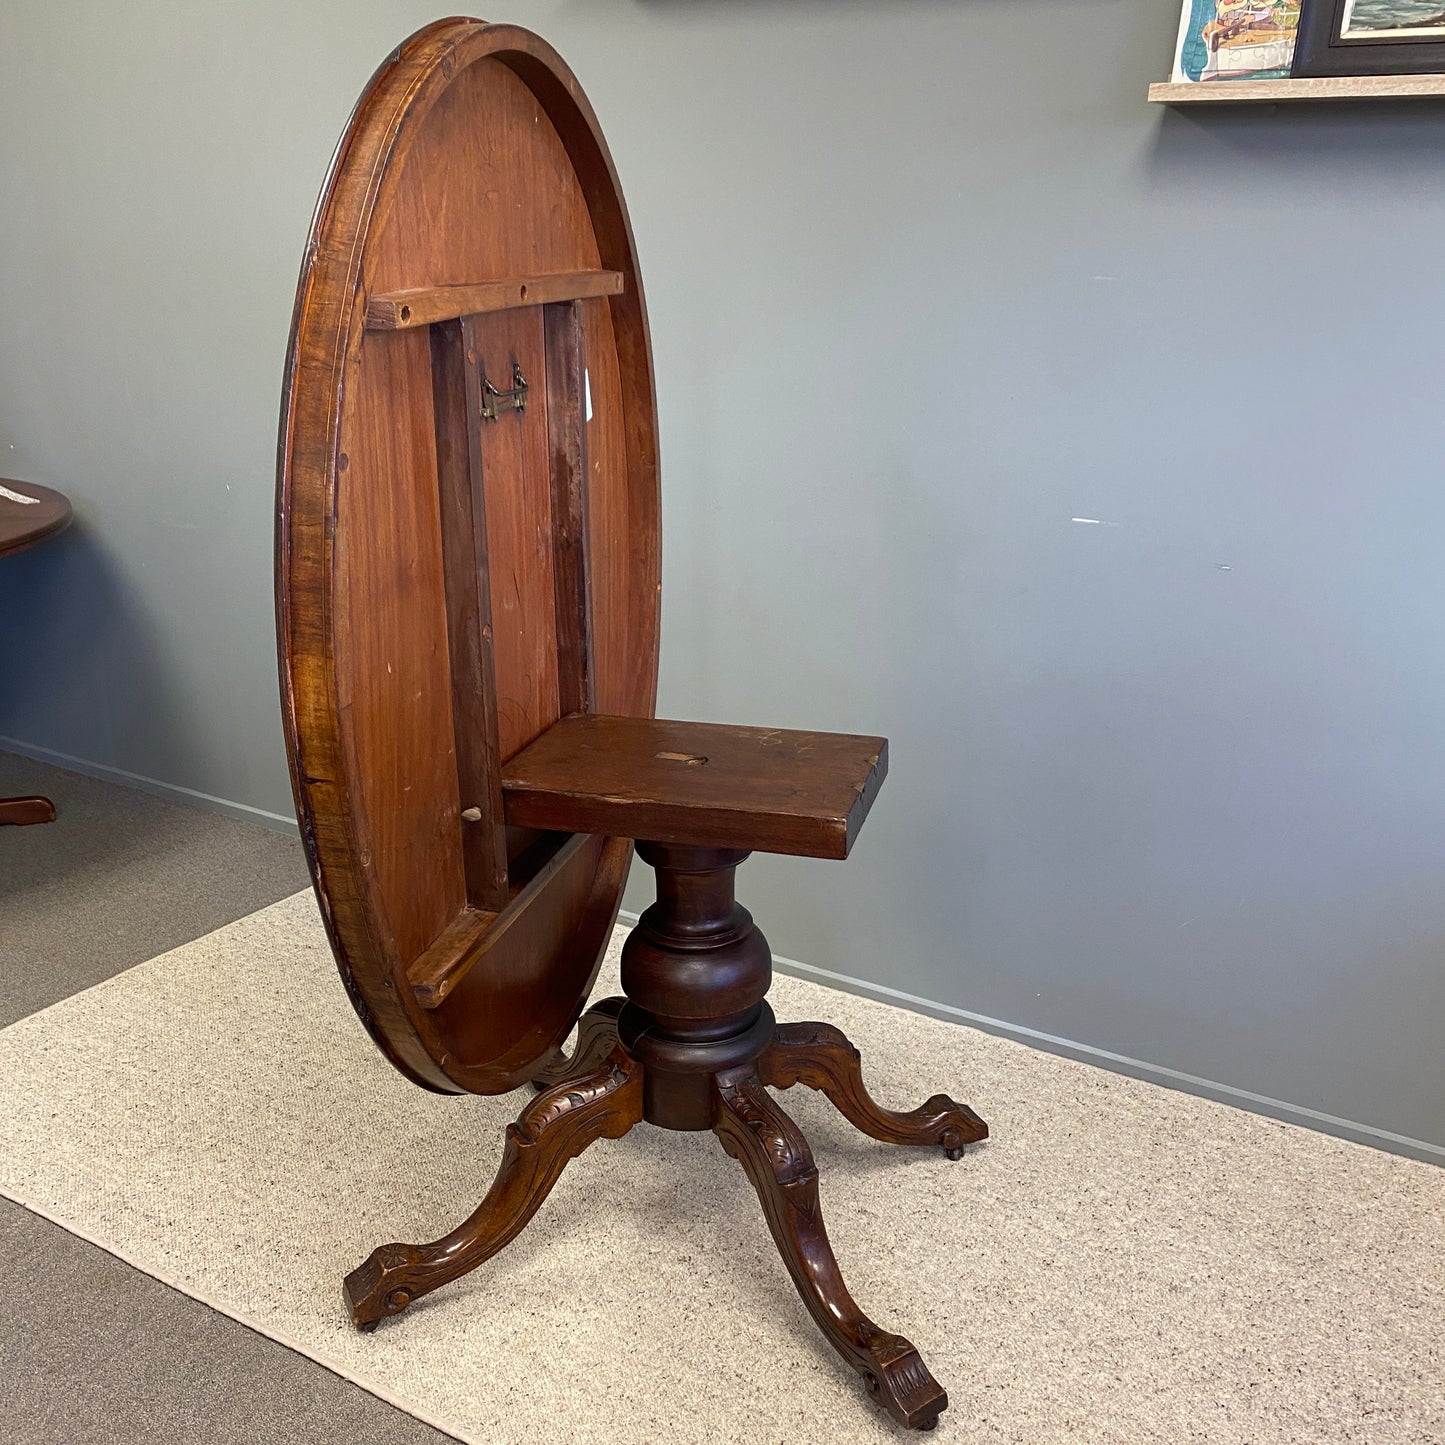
x: 28, y: 514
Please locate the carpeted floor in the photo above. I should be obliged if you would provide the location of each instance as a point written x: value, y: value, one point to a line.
x: 97, y: 1351
x: 1120, y: 1263
x: 117, y: 878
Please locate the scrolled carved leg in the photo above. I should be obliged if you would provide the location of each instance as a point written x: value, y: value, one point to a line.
x: 821, y: 1057
x: 776, y: 1157
x: 553, y: 1129
x: 596, y: 1038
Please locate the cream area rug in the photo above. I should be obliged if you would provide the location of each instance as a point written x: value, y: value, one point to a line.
x: 1120, y: 1263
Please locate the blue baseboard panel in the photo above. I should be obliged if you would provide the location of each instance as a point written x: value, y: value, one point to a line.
x: 191, y: 797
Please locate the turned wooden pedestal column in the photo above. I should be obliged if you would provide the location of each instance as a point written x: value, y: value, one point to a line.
x: 696, y: 972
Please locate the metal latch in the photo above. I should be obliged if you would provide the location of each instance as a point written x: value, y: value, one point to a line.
x: 495, y: 402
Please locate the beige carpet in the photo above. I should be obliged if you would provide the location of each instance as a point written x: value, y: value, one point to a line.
x: 1120, y: 1263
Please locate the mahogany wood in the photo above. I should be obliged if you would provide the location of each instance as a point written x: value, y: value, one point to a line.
x: 467, y: 596
x: 821, y: 1057
x: 775, y: 1156
x: 473, y: 933
x: 22, y: 524
x: 426, y: 305
x: 696, y: 973
x: 694, y: 1046
x: 23, y: 811
x: 456, y: 392
x: 554, y: 1128
x: 521, y: 559
x: 710, y: 784
x: 596, y: 1036
x: 567, y: 463
x: 472, y: 166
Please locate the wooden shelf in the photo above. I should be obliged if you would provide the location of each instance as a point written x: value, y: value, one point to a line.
x: 1345, y: 87
x: 401, y: 310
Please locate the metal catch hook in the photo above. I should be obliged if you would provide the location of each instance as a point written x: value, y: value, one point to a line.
x: 495, y: 402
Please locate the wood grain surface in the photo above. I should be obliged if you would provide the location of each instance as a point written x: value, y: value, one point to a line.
x: 772, y: 790
x: 424, y: 306
x: 430, y: 593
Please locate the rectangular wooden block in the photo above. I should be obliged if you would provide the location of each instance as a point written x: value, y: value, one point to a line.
x: 424, y: 306
x: 771, y: 790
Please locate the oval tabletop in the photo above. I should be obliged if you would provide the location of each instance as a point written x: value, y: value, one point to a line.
x: 467, y: 542
x: 28, y: 514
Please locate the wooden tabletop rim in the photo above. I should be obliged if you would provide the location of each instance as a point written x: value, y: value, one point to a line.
x: 23, y: 524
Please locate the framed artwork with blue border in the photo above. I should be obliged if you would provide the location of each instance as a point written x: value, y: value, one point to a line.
x: 1371, y: 37
x: 1222, y: 40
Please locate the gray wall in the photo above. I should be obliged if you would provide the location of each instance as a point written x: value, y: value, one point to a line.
x: 929, y: 282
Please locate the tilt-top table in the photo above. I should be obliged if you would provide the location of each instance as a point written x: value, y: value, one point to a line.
x: 468, y: 566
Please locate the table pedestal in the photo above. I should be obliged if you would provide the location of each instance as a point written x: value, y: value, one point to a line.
x: 693, y: 1046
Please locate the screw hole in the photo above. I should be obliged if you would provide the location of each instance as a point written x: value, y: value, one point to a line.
x: 406, y: 313
x: 524, y: 293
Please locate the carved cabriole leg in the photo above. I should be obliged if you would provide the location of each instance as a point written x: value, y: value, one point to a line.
x: 596, y: 1038
x: 771, y: 1148
x: 554, y: 1128
x: 821, y: 1057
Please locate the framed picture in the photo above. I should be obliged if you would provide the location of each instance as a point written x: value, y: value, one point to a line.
x: 1371, y: 37
x: 1236, y: 39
